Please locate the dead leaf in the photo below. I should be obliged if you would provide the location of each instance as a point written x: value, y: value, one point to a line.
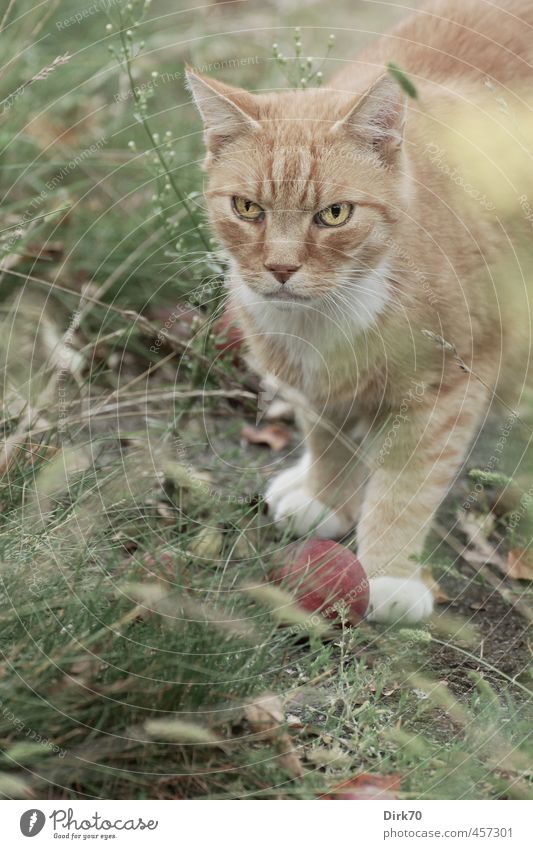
x: 477, y: 530
x: 275, y: 435
x: 520, y: 564
x: 368, y: 786
x: 289, y: 758
x: 60, y: 349
x: 474, y: 558
x: 266, y: 717
x: 385, y: 691
x: 49, y: 251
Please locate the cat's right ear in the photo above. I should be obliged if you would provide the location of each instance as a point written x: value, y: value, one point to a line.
x: 227, y: 112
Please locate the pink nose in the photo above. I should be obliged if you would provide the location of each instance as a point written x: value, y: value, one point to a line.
x: 282, y: 272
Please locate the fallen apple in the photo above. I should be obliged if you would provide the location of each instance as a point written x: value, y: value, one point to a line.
x: 323, y: 575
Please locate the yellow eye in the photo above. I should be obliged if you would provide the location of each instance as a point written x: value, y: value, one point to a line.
x: 247, y: 209
x: 334, y: 215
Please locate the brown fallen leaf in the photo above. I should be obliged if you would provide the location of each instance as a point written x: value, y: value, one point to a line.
x: 520, y: 564
x: 477, y: 530
x: 367, y: 786
x: 266, y: 717
x: 275, y: 435
x: 386, y: 691
x: 50, y: 251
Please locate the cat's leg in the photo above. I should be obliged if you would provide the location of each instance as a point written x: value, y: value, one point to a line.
x: 404, y: 491
x: 323, y: 492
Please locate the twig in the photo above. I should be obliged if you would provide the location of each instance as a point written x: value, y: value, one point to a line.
x: 148, y: 130
x: 177, y: 345
x: 170, y: 395
x: 40, y: 75
x: 37, y: 218
x: 484, y: 663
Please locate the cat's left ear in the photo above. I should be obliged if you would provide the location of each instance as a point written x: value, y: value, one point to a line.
x: 378, y: 118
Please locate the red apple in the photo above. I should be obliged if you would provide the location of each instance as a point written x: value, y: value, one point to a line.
x: 321, y: 573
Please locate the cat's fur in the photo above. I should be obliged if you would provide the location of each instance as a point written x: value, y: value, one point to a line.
x: 388, y: 413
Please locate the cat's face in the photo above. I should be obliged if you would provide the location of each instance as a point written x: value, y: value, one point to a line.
x: 304, y: 188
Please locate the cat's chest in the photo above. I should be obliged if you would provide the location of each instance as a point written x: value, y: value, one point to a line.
x: 320, y: 348
x: 327, y: 367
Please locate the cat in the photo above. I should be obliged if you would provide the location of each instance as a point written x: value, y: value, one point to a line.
x: 362, y: 270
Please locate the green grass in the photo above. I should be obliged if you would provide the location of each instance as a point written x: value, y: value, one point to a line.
x: 118, y: 611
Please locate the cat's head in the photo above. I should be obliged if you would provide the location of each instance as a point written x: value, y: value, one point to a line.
x: 304, y: 189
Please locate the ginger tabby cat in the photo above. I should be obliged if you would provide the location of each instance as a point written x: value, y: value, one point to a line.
x: 347, y: 240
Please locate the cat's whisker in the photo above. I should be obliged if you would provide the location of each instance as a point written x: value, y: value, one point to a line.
x: 350, y: 299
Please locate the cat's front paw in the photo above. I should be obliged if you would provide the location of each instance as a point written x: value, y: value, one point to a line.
x: 286, y: 482
x: 292, y: 505
x: 403, y: 600
x: 301, y: 513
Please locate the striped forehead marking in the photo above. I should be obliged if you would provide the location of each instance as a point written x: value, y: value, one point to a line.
x: 290, y: 178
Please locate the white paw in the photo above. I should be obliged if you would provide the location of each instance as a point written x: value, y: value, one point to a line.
x: 300, y: 512
x: 287, y: 481
x: 405, y: 600
x: 291, y: 505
